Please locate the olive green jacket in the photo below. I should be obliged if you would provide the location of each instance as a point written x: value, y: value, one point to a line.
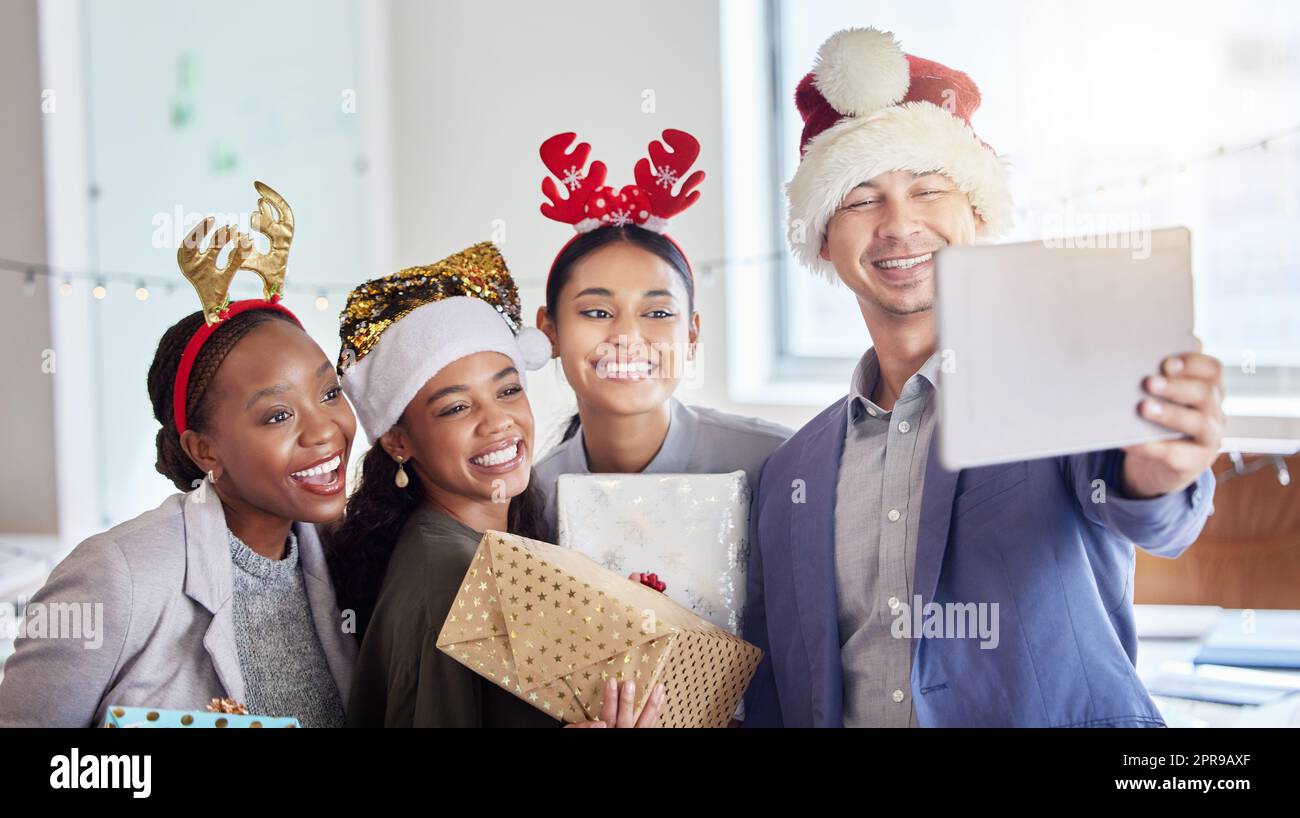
x: 402, y: 679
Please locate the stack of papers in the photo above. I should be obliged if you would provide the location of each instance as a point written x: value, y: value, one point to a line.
x: 1176, y: 621
x: 1254, y: 639
x: 1223, y: 685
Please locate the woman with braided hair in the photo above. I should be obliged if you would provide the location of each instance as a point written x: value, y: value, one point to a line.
x: 223, y: 590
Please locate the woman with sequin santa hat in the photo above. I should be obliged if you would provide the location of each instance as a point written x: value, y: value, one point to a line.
x: 620, y: 315
x: 891, y: 173
x: 434, y: 358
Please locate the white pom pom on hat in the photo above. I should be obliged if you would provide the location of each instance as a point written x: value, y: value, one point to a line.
x: 534, y: 347
x: 862, y: 70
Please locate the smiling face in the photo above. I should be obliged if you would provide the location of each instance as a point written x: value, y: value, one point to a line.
x: 280, y: 431
x: 882, y: 238
x: 468, y: 433
x: 623, y: 328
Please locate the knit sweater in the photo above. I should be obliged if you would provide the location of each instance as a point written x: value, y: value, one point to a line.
x: 280, y: 655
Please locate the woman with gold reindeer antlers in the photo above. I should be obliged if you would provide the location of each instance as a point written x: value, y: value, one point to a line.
x: 222, y: 591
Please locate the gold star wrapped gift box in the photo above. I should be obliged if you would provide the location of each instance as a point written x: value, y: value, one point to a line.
x: 551, y: 626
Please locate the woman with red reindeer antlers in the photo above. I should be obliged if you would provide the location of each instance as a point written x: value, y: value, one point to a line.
x: 620, y: 313
x: 223, y: 590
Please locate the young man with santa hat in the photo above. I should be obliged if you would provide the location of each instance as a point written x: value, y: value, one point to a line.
x: 856, y: 525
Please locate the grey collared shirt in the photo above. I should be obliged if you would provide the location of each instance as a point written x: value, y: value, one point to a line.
x: 877, y: 517
x: 700, y: 440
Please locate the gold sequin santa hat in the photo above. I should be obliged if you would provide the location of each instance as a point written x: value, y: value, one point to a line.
x: 399, y: 331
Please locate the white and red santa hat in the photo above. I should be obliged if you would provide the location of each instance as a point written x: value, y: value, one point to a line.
x: 868, y: 108
x: 399, y: 331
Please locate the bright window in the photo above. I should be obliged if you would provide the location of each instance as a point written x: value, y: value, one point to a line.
x: 1160, y: 113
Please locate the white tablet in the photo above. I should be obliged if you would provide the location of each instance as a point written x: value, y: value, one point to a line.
x: 1044, y: 345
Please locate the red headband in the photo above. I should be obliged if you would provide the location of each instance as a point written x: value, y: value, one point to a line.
x: 689, y: 269
x: 650, y: 203
x: 180, y: 388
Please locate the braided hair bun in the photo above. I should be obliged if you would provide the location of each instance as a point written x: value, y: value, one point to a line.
x: 173, y: 462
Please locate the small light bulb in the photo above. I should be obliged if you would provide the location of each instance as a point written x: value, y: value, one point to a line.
x: 100, y: 291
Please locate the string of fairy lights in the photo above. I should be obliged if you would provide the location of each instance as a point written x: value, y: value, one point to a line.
x: 142, y: 286
x: 1145, y: 182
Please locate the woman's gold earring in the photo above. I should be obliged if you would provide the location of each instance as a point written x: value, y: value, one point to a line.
x: 212, y: 476
x: 401, y: 480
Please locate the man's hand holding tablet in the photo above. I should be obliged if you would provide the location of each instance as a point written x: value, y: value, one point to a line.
x: 1185, y: 396
x: 1051, y: 350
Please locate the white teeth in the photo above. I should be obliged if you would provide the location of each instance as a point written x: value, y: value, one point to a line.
x: 904, y: 263
x: 498, y: 457
x: 627, y: 369
x: 324, y: 468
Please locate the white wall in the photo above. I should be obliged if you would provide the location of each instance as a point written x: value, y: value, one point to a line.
x: 27, y: 487
x: 478, y: 86
x: 455, y: 98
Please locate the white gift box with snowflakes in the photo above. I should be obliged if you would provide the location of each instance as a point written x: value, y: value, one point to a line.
x: 690, y: 529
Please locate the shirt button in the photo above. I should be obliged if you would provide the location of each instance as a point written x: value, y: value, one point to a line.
x: 893, y: 603
x: 893, y: 515
x: 1196, y: 496
x: 898, y: 695
x: 871, y: 411
x: 904, y: 427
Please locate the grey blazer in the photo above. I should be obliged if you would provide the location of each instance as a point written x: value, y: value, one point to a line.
x: 159, y: 587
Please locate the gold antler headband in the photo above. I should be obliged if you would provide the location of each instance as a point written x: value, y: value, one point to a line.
x: 211, y: 281
x: 272, y: 219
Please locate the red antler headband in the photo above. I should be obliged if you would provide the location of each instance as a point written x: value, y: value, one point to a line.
x: 274, y: 220
x: 650, y: 203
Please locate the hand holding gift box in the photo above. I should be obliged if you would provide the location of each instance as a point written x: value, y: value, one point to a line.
x: 552, y: 627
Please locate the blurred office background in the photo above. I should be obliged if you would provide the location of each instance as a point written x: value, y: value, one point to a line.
x: 403, y: 130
